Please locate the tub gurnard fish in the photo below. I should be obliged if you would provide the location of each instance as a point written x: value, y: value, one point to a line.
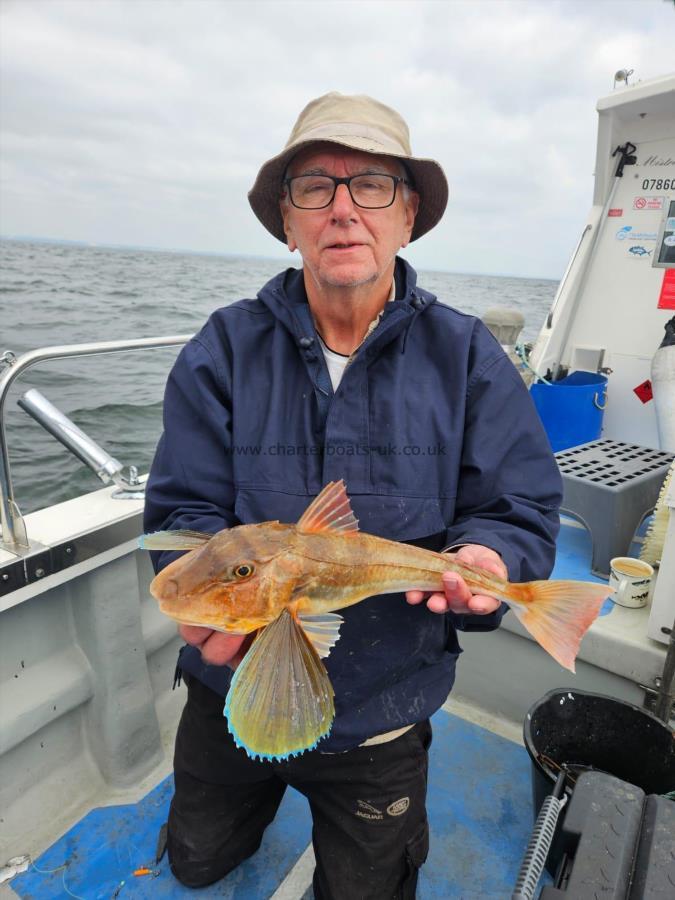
x: 286, y: 581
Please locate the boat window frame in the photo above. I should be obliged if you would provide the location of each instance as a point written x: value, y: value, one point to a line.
x: 669, y: 213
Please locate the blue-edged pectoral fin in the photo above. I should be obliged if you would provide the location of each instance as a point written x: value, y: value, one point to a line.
x: 280, y: 701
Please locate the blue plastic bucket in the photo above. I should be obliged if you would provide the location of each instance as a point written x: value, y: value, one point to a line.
x: 571, y: 409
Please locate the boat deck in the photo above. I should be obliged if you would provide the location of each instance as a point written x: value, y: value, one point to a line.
x: 479, y: 812
x: 479, y: 806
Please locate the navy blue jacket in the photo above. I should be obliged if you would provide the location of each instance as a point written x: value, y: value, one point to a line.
x: 433, y: 432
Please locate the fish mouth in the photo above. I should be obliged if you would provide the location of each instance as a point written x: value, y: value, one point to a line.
x: 185, y: 604
x: 204, y: 624
x: 193, y: 617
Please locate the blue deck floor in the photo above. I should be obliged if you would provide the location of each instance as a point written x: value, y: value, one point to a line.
x: 479, y: 811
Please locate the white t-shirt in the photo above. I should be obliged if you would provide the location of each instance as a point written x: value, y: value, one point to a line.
x: 338, y: 362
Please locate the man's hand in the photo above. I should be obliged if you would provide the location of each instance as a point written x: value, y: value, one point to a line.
x: 217, y: 649
x: 457, y: 597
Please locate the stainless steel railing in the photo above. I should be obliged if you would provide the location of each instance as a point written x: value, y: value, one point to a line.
x: 14, y: 536
x: 563, y: 280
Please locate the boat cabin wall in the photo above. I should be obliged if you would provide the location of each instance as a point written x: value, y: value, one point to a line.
x: 613, y: 305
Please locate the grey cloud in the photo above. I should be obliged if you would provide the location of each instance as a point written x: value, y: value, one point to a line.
x: 146, y: 121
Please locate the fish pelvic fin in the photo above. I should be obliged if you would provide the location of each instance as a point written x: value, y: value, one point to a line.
x: 558, y: 613
x: 322, y: 630
x: 329, y: 511
x: 280, y: 701
x: 174, y: 540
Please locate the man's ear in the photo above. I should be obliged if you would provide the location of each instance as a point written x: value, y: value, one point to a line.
x: 411, y: 207
x: 288, y: 231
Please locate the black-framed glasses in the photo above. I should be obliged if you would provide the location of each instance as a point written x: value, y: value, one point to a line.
x: 367, y: 191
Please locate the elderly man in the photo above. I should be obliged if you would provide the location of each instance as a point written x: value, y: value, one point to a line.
x: 347, y: 369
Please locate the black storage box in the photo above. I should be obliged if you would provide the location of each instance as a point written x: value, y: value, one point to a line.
x: 617, y: 843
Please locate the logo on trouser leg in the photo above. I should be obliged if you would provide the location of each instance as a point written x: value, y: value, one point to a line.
x: 368, y: 811
x: 398, y: 807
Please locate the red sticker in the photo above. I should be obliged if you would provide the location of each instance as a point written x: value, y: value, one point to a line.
x: 644, y: 391
x: 648, y: 202
x: 615, y: 212
x: 667, y: 296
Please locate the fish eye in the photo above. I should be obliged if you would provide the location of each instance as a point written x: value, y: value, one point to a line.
x: 243, y: 570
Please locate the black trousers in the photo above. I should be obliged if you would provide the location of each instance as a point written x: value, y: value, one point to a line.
x: 370, y: 831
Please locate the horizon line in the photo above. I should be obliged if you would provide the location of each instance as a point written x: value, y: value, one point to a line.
x: 221, y: 253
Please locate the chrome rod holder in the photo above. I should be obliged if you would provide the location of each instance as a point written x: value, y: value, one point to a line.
x: 102, y: 464
x: 73, y: 438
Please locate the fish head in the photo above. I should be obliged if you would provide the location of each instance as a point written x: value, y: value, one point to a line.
x: 226, y: 583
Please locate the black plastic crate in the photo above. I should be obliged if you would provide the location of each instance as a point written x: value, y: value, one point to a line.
x: 619, y: 843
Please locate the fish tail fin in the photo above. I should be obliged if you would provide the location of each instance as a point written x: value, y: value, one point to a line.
x: 558, y: 613
x: 280, y: 701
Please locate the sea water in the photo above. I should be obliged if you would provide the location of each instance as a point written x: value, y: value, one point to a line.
x: 64, y: 294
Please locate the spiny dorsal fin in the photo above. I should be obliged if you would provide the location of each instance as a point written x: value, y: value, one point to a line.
x: 330, y: 511
x: 280, y: 701
x: 323, y: 631
x: 183, y: 539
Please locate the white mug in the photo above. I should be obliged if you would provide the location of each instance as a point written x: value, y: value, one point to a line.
x: 630, y: 579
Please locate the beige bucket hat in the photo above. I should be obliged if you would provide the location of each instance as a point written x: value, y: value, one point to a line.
x: 361, y: 123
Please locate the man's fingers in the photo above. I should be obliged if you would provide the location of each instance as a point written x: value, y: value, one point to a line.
x: 456, y: 589
x: 222, y: 649
x: 496, y: 566
x: 217, y: 649
x: 194, y: 634
x: 458, y: 598
x: 242, y: 651
x: 438, y: 603
x: 482, y: 558
x: 481, y: 605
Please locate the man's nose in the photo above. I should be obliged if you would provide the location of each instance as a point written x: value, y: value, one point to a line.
x: 343, y: 205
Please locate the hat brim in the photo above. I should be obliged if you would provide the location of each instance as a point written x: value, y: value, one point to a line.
x: 428, y: 178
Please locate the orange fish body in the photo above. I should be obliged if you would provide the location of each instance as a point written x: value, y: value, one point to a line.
x: 286, y: 581
x: 311, y: 573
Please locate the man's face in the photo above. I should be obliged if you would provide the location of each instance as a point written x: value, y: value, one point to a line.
x: 344, y: 245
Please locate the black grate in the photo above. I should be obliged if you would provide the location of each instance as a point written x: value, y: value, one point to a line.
x: 611, y: 463
x: 610, y: 485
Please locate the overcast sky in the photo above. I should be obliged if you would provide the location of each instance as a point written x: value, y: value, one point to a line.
x: 144, y: 122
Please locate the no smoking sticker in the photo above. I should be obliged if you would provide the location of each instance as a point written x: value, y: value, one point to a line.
x: 648, y: 202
